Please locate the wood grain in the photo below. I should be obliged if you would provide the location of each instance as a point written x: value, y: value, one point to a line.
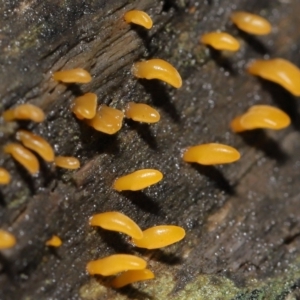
x: 242, y: 220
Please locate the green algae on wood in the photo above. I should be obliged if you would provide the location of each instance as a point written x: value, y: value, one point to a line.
x: 203, y: 287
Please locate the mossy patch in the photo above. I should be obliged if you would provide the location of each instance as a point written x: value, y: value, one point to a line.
x: 212, y: 287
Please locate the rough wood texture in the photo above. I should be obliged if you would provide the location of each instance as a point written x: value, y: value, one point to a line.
x: 242, y: 220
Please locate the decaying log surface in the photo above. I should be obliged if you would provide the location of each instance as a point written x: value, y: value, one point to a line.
x: 242, y: 220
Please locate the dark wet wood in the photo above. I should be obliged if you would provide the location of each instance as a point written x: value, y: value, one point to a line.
x: 242, y: 220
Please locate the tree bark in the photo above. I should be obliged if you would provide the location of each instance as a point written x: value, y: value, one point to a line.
x: 242, y: 220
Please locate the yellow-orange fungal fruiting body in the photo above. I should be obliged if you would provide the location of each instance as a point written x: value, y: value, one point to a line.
x: 7, y: 240
x: 265, y: 116
x: 114, y: 264
x: 138, y: 17
x: 24, y: 112
x: 251, y: 23
x: 116, y: 221
x: 4, y: 176
x: 25, y: 157
x: 67, y: 162
x: 211, y: 154
x: 235, y: 124
x: 278, y: 70
x: 157, y: 69
x: 84, y: 107
x: 131, y: 277
x: 9, y: 115
x: 261, y: 116
x: 55, y: 241
x: 141, y: 113
x: 160, y: 236
x: 73, y: 76
x: 107, y: 120
x: 220, y: 41
x: 37, y: 144
x: 138, y: 180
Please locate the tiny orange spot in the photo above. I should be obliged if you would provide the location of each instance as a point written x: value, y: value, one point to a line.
x: 55, y: 241
x: 192, y: 9
x: 7, y: 240
x: 4, y: 176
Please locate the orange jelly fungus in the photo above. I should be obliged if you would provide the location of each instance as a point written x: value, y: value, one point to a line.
x: 84, y: 107
x: 220, y: 41
x: 211, y: 154
x: 114, y: 264
x: 261, y: 116
x: 160, y: 236
x: 278, y: 70
x: 251, y: 23
x: 116, y: 221
x: 142, y: 113
x: 4, y: 176
x: 157, y: 69
x: 131, y: 277
x: 7, y: 240
x: 37, y: 144
x: 24, y: 112
x: 67, y: 162
x: 138, y: 17
x: 55, y: 241
x: 107, y: 120
x: 235, y: 124
x: 73, y: 76
x: 138, y: 180
x: 25, y: 157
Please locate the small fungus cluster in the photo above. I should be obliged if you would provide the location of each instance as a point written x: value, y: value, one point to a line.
x: 109, y: 120
x: 133, y: 268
